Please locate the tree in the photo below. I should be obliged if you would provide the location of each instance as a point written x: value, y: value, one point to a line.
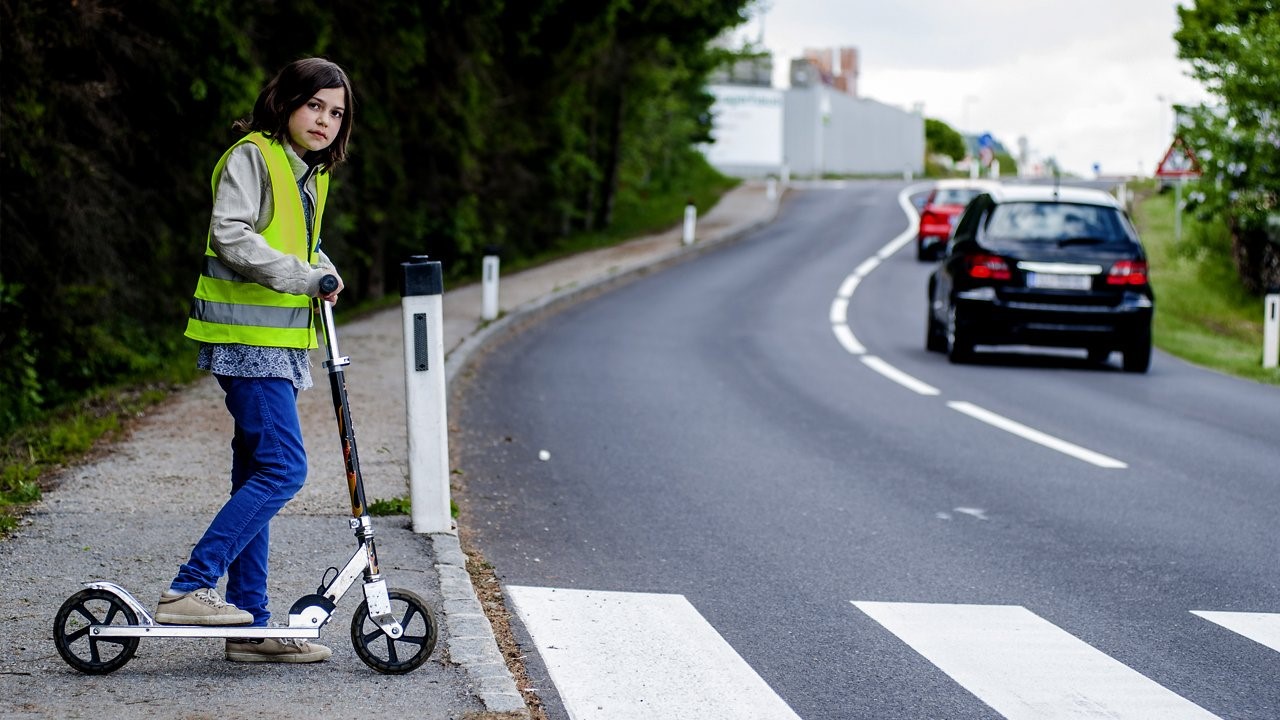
x: 109, y: 108
x: 1234, y: 49
x: 941, y: 139
x: 478, y: 123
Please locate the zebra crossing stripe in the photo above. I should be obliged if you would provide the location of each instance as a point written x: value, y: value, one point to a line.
x: 639, y: 656
x: 1025, y: 667
x: 1262, y: 628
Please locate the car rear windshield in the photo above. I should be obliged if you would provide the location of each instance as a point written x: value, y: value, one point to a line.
x: 1056, y: 222
x: 953, y: 196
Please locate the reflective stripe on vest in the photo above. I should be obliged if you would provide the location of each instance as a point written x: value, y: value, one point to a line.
x: 230, y: 308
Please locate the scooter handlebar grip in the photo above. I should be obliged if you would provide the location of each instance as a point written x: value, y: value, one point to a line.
x: 328, y: 284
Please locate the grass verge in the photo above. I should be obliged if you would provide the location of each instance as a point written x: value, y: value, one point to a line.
x: 29, y: 456
x: 1203, y: 315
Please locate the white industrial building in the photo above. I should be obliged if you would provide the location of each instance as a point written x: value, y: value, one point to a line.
x: 814, y: 128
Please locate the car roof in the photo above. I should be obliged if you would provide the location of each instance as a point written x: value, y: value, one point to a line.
x: 949, y: 183
x: 1048, y: 193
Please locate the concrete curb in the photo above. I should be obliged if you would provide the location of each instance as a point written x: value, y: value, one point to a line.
x: 470, y: 638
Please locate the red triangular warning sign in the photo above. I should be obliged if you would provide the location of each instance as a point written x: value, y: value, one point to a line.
x: 1179, y: 162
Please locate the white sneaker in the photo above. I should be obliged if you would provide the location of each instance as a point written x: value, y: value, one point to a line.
x: 199, y: 607
x: 285, y: 650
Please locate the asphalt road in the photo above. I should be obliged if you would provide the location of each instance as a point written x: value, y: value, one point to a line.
x: 709, y: 437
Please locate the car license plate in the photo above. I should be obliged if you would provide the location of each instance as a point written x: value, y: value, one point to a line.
x: 1050, y: 281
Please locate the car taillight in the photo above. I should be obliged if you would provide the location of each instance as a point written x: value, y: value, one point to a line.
x: 932, y: 218
x: 1128, y: 272
x: 982, y: 266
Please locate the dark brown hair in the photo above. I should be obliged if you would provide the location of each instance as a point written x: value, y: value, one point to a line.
x: 289, y: 90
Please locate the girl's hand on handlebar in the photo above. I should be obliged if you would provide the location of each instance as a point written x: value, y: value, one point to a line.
x: 332, y: 297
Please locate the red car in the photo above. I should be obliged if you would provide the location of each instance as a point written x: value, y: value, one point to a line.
x: 941, y: 211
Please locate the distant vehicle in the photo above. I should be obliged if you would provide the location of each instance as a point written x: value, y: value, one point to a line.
x: 941, y: 210
x: 1035, y: 265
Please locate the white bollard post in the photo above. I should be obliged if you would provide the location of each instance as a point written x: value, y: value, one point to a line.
x: 786, y: 176
x: 422, y: 296
x: 1271, y: 332
x: 974, y: 168
x: 995, y: 169
x: 690, y: 222
x: 489, y: 288
x: 771, y: 189
x: 907, y: 173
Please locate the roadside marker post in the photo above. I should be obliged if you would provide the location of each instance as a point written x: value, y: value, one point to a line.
x: 489, y: 286
x: 422, y: 303
x: 1271, y: 331
x: 690, y: 222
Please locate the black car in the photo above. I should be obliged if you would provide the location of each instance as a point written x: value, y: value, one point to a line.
x: 1045, y: 266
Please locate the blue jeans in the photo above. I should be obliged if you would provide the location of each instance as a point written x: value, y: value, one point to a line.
x: 268, y: 467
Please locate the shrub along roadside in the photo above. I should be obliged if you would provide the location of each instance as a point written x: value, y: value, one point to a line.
x: 32, y: 454
x: 1203, y: 314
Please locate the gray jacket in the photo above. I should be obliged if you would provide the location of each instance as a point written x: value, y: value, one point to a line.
x: 242, y: 209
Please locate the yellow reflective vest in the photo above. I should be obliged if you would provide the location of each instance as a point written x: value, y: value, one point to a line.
x: 230, y: 308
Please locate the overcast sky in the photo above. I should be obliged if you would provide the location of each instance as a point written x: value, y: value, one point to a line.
x: 1085, y: 81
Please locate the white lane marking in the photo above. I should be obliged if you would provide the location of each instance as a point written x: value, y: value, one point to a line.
x: 638, y: 656
x: 867, y: 266
x: 848, y: 286
x: 899, y: 242
x: 1262, y: 628
x: 846, y: 338
x: 898, y: 376
x: 1036, y: 436
x: 1024, y: 666
x: 839, y: 311
x: 839, y: 315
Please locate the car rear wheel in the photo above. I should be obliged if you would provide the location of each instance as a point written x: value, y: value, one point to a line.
x: 1137, y: 356
x: 959, y: 347
x: 935, y: 339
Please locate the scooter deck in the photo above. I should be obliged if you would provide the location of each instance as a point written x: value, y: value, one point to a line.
x: 148, y: 627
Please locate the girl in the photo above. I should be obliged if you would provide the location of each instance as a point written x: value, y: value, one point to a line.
x: 252, y: 314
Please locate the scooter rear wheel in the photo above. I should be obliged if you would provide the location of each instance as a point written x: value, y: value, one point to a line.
x: 396, y: 656
x: 74, y: 638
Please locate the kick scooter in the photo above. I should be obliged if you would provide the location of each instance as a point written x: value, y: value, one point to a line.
x: 393, y: 631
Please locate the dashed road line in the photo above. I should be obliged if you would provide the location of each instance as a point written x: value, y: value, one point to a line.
x: 1035, y: 436
x: 839, y: 318
x: 896, y: 375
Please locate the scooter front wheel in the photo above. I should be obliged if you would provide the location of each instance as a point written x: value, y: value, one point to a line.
x: 395, y: 656
x: 73, y: 632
